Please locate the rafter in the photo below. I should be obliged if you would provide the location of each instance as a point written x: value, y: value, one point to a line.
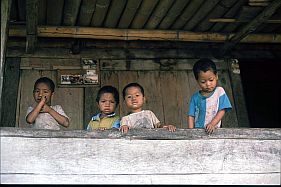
x: 250, y: 27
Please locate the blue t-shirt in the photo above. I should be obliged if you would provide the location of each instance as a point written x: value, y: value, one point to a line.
x: 204, y: 109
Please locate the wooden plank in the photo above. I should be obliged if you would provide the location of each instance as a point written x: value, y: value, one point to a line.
x: 49, y: 63
x: 143, y: 13
x: 42, y: 8
x: 5, y: 17
x: 129, y: 13
x: 22, y: 10
x: 250, y: 27
x: 138, y: 34
x: 100, y: 13
x: 158, y: 14
x: 202, y: 12
x: 86, y: 12
x: 173, y: 13
x: 54, y: 12
x: 172, y: 111
x: 184, y: 96
x: 238, y: 94
x: 70, y: 12
x: 196, y: 158
x: 114, y: 13
x: 188, y: 12
x: 10, y: 92
x: 139, y: 179
x: 261, y: 134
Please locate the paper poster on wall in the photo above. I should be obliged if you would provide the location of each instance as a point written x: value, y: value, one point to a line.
x: 86, y: 76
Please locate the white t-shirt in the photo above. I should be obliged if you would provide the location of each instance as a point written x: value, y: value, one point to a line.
x: 142, y: 119
x: 45, y: 120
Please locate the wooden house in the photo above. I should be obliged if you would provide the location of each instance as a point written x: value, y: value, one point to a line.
x: 154, y: 43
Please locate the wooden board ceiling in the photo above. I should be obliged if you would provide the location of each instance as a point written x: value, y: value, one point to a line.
x: 224, y: 21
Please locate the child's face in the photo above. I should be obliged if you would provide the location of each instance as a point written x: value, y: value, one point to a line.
x: 107, y: 103
x: 207, y: 81
x: 42, y: 90
x: 134, y: 99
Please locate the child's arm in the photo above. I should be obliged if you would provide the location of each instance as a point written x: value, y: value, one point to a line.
x: 190, y: 122
x: 213, y: 124
x: 30, y: 118
x: 62, y: 120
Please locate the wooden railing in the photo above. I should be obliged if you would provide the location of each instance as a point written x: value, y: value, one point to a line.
x: 143, y: 156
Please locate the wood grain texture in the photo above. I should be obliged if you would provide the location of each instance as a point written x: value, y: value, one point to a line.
x: 230, y: 156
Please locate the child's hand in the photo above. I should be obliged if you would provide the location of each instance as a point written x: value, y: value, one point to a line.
x: 102, y: 128
x: 46, y: 108
x: 124, y: 128
x: 210, y: 128
x: 170, y: 128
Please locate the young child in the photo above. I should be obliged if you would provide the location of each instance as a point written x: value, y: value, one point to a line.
x: 133, y: 95
x: 44, y: 115
x: 107, y: 101
x: 208, y: 105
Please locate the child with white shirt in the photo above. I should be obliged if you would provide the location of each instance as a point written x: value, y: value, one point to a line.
x: 133, y: 95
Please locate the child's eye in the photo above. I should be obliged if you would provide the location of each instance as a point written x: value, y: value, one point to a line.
x: 129, y: 96
x: 113, y: 102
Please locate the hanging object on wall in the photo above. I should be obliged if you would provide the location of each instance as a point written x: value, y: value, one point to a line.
x: 88, y: 75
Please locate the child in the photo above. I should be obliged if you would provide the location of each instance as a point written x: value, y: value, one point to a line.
x: 207, y: 106
x: 133, y: 95
x: 43, y: 115
x: 107, y: 101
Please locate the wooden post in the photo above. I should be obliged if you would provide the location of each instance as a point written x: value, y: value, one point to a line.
x: 10, y: 92
x: 31, y: 25
x: 238, y: 93
x: 5, y: 17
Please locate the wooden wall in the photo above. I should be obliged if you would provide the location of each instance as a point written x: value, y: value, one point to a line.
x: 168, y: 85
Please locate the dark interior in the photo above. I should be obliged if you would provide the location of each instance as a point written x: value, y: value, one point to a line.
x: 261, y: 84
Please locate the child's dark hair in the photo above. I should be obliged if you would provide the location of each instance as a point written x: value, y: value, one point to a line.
x: 108, y: 89
x: 204, y: 65
x: 46, y: 81
x: 133, y: 84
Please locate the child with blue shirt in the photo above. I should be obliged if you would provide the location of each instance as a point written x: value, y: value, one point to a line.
x: 107, y: 101
x: 208, y: 105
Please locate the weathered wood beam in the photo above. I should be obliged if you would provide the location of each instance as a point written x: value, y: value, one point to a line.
x: 138, y: 34
x: 5, y: 16
x: 143, y: 156
x: 250, y: 27
x: 231, y: 20
x: 31, y: 25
